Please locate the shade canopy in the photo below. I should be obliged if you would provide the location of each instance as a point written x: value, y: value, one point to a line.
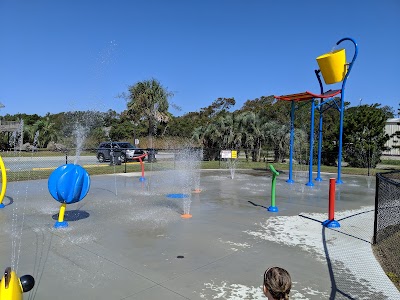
x: 306, y: 96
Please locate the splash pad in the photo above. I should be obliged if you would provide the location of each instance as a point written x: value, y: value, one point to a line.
x: 132, y: 240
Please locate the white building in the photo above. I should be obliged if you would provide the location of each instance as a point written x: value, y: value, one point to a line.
x: 391, y: 126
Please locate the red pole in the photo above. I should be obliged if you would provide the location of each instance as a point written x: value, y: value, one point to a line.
x: 332, y: 187
x: 142, y: 165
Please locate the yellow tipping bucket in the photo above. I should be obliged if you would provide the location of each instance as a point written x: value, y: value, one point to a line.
x: 333, y: 66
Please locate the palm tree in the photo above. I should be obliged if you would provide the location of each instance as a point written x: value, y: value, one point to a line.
x: 47, y: 131
x: 29, y: 133
x: 219, y: 134
x: 148, y: 100
x: 277, y: 135
x: 252, y: 133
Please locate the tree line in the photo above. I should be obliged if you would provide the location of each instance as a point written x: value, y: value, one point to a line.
x: 261, y: 124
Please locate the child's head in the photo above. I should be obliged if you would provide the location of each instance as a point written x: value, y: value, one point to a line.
x: 277, y: 284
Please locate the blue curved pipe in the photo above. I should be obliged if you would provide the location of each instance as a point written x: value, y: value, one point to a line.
x: 339, y: 180
x: 321, y: 88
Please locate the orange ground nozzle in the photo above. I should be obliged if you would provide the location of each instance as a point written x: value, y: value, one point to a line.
x: 186, y: 216
x: 196, y: 191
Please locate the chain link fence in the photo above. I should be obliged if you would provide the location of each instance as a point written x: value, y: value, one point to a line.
x: 37, y: 163
x: 387, y: 206
x: 386, y: 239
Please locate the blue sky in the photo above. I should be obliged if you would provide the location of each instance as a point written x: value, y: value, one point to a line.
x: 80, y: 54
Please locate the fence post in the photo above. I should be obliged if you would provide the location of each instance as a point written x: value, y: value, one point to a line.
x: 376, y: 208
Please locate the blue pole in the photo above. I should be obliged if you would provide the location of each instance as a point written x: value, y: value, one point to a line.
x: 319, y: 148
x: 310, y: 183
x: 321, y: 88
x: 339, y: 180
x: 290, y: 180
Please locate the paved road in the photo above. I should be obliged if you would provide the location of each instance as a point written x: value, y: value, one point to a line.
x: 29, y: 163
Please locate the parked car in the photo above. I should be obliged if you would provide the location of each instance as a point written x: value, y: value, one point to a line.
x: 125, y: 151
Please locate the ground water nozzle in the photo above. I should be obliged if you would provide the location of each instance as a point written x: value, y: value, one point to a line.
x: 12, y: 287
x: 275, y: 173
x: 68, y: 184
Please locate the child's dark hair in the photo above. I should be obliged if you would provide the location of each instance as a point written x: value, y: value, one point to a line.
x: 278, y: 283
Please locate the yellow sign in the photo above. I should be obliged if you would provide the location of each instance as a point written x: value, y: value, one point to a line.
x: 234, y: 154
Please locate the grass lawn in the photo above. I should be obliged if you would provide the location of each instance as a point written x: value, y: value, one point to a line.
x: 387, y: 252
